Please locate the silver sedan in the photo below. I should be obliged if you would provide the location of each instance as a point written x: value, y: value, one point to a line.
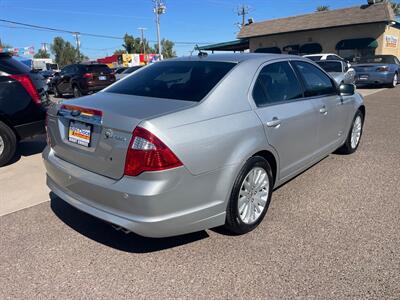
x: 198, y: 142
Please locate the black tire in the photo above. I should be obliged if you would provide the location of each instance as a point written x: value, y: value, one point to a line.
x: 233, y: 221
x: 56, y: 93
x: 9, y: 144
x: 347, y: 147
x: 394, y: 81
x: 76, y: 91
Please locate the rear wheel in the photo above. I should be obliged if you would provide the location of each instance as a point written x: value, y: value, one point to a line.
x: 76, y: 91
x: 8, y: 144
x: 354, y: 135
x: 395, y: 80
x: 250, y: 196
x: 56, y: 93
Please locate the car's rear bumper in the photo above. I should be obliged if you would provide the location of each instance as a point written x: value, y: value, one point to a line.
x: 374, y: 78
x: 155, y: 204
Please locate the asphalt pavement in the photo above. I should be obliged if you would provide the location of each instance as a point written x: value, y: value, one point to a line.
x: 333, y: 232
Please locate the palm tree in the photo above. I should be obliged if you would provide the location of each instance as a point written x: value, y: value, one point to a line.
x: 322, y: 8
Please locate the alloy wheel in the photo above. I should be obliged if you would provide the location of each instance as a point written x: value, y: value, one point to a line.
x: 356, y: 132
x: 253, y: 195
x: 2, y: 146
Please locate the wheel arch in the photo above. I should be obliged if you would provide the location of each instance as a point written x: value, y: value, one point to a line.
x: 270, y: 158
x: 10, y: 125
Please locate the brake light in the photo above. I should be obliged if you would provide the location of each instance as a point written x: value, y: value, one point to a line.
x: 83, y: 110
x: 382, y: 69
x: 147, y: 153
x: 88, y: 75
x: 27, y: 83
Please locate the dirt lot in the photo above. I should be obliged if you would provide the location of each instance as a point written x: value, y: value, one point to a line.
x: 331, y: 233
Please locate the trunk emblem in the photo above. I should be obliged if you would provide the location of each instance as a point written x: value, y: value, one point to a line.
x: 108, y: 133
x: 75, y: 113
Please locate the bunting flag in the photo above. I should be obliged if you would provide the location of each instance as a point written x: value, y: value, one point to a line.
x: 30, y: 50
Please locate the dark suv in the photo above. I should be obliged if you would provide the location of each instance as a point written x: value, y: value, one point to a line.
x: 23, y: 103
x: 82, y: 79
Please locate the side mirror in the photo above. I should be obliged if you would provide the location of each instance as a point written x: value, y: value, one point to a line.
x: 346, y: 89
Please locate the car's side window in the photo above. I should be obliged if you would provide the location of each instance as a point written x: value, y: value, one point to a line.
x: 316, y: 82
x: 276, y: 83
x: 332, y: 57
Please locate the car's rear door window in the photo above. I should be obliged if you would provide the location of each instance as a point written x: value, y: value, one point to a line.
x: 316, y: 82
x: 180, y: 80
x: 276, y: 83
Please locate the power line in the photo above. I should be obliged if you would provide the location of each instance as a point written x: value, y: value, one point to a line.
x: 45, y: 28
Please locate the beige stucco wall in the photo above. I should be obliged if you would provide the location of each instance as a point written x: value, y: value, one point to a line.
x: 390, y: 50
x: 328, y: 38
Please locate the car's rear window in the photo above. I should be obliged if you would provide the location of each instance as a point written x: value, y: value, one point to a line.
x: 98, y: 69
x: 180, y: 80
x: 384, y: 59
x: 314, y: 57
x: 330, y: 66
x: 12, y: 66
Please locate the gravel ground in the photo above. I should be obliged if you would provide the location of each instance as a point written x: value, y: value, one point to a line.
x: 331, y: 233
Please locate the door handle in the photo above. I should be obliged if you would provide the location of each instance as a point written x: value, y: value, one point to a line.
x: 275, y: 122
x: 323, y: 110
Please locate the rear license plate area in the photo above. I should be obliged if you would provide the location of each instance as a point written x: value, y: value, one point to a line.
x: 363, y: 77
x: 79, y: 133
x: 102, y: 77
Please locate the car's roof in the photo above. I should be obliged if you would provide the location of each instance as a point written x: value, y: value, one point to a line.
x: 234, y: 57
x: 319, y: 54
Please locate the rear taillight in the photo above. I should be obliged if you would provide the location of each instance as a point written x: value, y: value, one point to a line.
x: 83, y: 111
x: 382, y: 69
x: 88, y: 75
x: 147, y: 153
x: 27, y: 83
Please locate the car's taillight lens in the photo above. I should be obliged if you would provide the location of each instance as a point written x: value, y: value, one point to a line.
x: 147, y: 153
x: 382, y: 69
x: 88, y: 75
x: 27, y: 83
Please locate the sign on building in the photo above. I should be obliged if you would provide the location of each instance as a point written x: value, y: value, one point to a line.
x: 391, y: 41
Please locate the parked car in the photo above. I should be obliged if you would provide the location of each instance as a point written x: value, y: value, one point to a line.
x: 48, y: 76
x: 23, y: 103
x: 198, y: 142
x: 119, y: 70
x: 82, y: 79
x: 128, y: 71
x: 378, y: 70
x: 338, y: 70
x: 324, y: 56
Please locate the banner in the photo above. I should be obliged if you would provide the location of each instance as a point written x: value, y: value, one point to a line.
x: 30, y: 50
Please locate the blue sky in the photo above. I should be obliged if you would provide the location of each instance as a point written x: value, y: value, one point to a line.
x: 185, y: 20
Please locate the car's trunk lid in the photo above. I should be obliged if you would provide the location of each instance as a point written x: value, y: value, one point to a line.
x: 111, y: 119
x: 367, y: 67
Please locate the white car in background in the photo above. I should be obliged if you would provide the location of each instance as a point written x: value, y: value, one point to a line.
x: 326, y: 56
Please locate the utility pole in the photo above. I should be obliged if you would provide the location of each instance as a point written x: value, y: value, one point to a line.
x: 159, y: 9
x: 44, y: 46
x: 77, y: 35
x: 142, y: 29
x: 242, y: 11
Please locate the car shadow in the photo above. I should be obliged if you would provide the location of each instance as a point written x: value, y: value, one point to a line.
x: 102, y: 232
x: 28, y: 147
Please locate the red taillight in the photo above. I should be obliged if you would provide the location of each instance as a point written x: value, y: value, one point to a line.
x: 147, y: 153
x: 382, y: 69
x: 27, y: 83
x: 88, y: 75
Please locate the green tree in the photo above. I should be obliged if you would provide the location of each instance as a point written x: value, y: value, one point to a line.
x: 119, y: 51
x: 395, y: 6
x: 322, y: 8
x: 42, y: 54
x: 65, y: 53
x: 167, y: 48
x: 134, y: 45
x: 4, y: 45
